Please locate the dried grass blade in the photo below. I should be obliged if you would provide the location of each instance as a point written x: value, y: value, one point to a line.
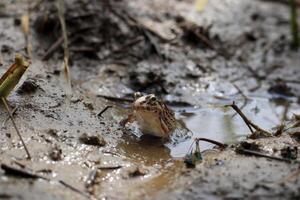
x: 66, y: 69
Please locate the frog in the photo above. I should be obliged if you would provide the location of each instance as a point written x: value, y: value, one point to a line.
x: 153, y: 116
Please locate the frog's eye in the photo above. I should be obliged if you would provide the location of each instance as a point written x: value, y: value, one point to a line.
x: 137, y: 95
x: 153, y: 98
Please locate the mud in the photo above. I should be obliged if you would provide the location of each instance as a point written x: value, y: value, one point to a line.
x: 248, y: 60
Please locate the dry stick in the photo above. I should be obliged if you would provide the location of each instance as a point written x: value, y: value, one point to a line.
x: 74, y: 189
x: 256, y: 153
x: 26, y: 29
x: 12, y: 112
x: 25, y: 174
x: 15, y: 126
x: 104, y: 110
x: 243, y: 95
x: 247, y: 121
x: 116, y: 99
x: 53, y: 48
x: 61, y: 10
x: 212, y: 141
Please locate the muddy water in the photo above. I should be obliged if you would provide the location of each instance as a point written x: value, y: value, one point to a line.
x: 220, y: 124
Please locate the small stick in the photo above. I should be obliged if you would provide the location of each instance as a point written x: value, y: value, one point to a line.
x: 104, y: 110
x: 256, y: 153
x: 247, y: 121
x: 116, y: 99
x: 212, y: 141
x: 61, y: 13
x: 242, y: 116
x: 12, y: 112
x: 110, y: 167
x: 20, y: 172
x: 15, y: 126
x: 243, y: 95
x: 25, y: 174
x: 74, y: 189
x: 53, y: 47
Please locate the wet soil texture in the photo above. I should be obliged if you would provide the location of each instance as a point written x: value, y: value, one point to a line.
x: 195, y: 55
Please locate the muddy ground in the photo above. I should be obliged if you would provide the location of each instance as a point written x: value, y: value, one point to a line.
x: 197, y: 60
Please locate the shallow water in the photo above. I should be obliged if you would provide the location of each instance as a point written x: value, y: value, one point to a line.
x: 224, y: 125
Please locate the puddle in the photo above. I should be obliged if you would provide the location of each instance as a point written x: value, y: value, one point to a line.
x: 225, y: 126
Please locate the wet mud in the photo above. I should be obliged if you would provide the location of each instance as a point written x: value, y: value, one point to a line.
x: 121, y: 47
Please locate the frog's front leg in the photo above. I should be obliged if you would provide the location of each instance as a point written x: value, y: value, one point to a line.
x: 129, y: 119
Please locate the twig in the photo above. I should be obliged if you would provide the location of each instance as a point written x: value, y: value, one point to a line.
x: 74, y: 189
x: 256, y: 153
x: 110, y: 167
x: 248, y: 122
x: 243, y: 95
x: 15, y: 126
x: 104, y: 110
x: 53, y: 48
x: 212, y: 141
x: 242, y: 116
x: 116, y: 99
x: 25, y: 174
x: 25, y: 22
x: 61, y: 10
x: 5, y: 121
x: 20, y: 172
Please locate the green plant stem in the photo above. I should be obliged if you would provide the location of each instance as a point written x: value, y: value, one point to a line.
x: 15, y: 126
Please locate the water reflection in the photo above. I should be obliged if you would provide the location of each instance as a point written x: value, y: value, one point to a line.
x: 146, y: 149
x: 223, y: 125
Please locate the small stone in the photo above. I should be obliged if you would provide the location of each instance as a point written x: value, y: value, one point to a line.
x: 55, y: 153
x: 95, y: 140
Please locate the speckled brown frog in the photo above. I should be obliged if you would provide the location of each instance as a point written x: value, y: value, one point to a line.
x: 152, y: 115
